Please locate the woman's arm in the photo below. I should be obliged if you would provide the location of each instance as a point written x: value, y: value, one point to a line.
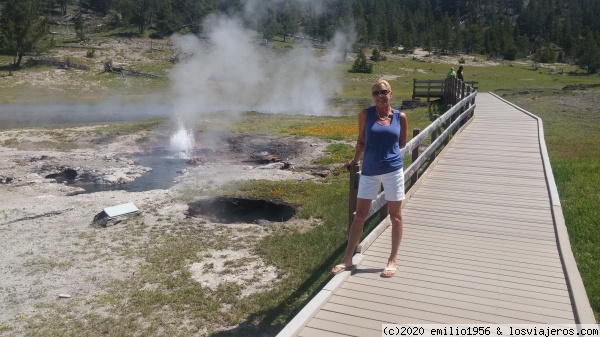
x: 403, y: 129
x: 360, y: 141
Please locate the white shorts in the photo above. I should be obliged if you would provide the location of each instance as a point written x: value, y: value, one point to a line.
x: 393, y: 186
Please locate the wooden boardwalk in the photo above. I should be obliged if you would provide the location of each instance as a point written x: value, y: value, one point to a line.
x: 484, y: 242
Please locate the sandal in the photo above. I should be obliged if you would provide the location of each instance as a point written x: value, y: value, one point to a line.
x: 340, y: 268
x: 388, y: 272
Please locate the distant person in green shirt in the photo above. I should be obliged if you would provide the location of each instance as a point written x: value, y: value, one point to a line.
x: 452, y: 72
x: 460, y: 73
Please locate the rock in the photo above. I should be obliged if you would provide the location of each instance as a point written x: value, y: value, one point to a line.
x: 6, y: 180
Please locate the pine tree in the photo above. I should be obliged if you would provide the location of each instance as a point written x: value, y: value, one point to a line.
x: 589, y: 55
x: 376, y: 55
x: 63, y: 6
x: 22, y: 27
x: 289, y: 22
x: 165, y: 20
x: 79, y: 27
x: 361, y: 65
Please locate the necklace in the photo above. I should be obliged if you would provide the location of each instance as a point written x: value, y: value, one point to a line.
x: 379, y: 115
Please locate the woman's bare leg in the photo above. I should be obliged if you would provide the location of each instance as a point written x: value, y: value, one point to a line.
x: 395, y: 211
x: 362, y: 210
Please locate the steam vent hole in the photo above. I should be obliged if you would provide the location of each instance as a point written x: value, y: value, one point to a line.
x: 240, y: 210
x: 66, y: 175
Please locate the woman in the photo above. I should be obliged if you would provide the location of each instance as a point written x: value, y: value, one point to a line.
x: 381, y: 134
x: 459, y: 73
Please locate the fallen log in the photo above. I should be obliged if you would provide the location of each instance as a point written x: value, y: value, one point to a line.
x: 109, y: 68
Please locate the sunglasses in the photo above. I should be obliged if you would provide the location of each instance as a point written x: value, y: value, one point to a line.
x: 380, y: 92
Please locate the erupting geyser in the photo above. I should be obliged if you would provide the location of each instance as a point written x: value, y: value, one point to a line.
x: 182, y: 141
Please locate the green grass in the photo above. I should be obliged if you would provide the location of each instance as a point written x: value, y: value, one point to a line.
x: 337, y: 153
x: 72, y: 138
x: 294, y: 251
x: 505, y: 75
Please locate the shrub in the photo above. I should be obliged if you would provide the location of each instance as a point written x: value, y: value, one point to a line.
x: 510, y: 53
x: 361, y: 65
x: 376, y: 55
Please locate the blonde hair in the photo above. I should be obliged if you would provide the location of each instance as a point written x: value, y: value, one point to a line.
x: 384, y: 82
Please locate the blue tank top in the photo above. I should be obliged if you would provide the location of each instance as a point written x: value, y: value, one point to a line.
x: 382, y: 145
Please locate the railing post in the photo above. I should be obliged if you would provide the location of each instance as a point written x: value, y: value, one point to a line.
x: 448, y: 123
x: 415, y: 156
x: 457, y: 83
x: 353, y: 188
x: 433, y: 138
x: 462, y: 93
x: 451, y: 98
x: 383, y: 211
x: 445, y: 90
x: 471, y: 102
x: 428, y: 90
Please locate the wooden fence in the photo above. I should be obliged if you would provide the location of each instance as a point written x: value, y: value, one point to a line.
x: 437, y: 88
x: 462, y: 97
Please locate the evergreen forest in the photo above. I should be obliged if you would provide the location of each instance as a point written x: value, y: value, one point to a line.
x: 546, y: 30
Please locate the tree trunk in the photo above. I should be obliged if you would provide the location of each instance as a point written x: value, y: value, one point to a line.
x: 19, y: 59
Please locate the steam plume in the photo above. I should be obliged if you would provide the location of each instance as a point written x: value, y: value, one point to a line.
x: 230, y: 70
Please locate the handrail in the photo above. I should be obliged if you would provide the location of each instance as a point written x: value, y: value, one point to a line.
x: 435, y: 88
x: 452, y: 119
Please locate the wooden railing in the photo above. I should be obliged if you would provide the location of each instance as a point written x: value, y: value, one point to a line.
x: 463, y: 109
x: 435, y: 88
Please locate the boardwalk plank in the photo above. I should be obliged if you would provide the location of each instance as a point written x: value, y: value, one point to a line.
x: 457, y: 272
x: 421, y: 241
x: 412, y: 241
x: 489, y: 240
x: 506, y: 300
x: 442, y: 188
x: 515, y: 226
x: 472, y: 260
x: 312, y: 332
x: 431, y: 194
x: 341, y: 328
x: 523, y: 210
x: 461, y: 310
x: 401, y: 292
x: 468, y: 265
x: 371, y: 323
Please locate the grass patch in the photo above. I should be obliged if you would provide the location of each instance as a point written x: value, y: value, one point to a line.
x: 490, y: 78
x: 343, y: 128
x: 141, y: 128
x: 336, y: 153
x: 327, y: 127
x: 77, y: 137
x: 294, y: 252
